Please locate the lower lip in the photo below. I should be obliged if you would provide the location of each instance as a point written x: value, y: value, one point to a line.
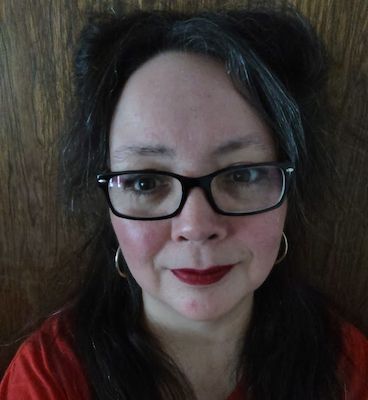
x: 202, y: 277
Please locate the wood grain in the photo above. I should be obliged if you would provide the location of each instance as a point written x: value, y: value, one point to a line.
x: 39, y: 264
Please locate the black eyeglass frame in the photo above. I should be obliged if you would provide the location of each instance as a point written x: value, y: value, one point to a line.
x: 204, y: 182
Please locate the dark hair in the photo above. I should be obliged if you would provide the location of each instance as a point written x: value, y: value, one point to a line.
x: 277, y: 63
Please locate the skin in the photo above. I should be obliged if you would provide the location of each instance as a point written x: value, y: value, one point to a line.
x: 180, y: 112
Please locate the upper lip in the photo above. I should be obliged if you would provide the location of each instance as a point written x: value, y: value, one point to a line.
x: 203, y: 271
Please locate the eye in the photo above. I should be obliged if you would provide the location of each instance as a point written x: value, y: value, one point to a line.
x: 144, y: 183
x: 246, y: 175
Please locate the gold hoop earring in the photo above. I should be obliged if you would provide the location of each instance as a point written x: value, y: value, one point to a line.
x: 117, y: 266
x: 286, y: 248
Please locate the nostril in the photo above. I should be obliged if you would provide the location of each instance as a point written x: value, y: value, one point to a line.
x: 190, y: 237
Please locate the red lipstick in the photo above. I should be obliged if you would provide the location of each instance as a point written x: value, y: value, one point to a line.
x: 202, y: 276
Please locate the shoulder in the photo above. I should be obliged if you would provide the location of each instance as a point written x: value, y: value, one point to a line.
x: 354, y: 363
x: 46, y: 366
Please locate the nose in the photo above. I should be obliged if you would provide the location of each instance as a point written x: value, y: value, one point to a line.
x: 198, y: 222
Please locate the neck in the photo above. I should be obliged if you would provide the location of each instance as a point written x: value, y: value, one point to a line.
x: 194, y: 345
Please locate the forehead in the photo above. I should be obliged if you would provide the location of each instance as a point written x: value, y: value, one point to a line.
x: 185, y: 103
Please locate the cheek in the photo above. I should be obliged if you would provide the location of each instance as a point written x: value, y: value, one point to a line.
x: 261, y: 235
x: 139, y: 240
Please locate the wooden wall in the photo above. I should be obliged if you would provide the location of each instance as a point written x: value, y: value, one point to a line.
x: 39, y: 262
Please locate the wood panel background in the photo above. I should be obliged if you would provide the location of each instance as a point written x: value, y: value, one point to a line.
x: 39, y: 259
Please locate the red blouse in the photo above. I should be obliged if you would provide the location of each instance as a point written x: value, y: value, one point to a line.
x: 46, y: 367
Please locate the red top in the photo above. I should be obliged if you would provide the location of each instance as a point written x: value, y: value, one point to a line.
x: 46, y: 367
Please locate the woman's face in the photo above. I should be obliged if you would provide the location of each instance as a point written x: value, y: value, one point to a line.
x: 180, y: 113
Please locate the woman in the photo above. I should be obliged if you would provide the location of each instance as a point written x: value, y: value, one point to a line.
x: 202, y: 130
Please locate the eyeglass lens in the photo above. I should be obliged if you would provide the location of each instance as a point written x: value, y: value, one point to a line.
x: 145, y: 195
x: 240, y: 190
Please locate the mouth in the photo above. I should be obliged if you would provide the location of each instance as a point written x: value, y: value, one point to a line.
x: 202, y: 277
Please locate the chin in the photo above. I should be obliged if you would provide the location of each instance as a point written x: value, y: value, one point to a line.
x: 202, y: 311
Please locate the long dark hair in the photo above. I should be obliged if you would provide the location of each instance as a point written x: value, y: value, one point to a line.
x: 277, y: 63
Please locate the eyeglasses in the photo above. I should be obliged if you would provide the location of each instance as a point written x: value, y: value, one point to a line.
x: 235, y: 190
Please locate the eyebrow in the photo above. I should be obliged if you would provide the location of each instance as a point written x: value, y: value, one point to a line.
x: 146, y: 150
x: 160, y: 150
x: 239, y: 143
